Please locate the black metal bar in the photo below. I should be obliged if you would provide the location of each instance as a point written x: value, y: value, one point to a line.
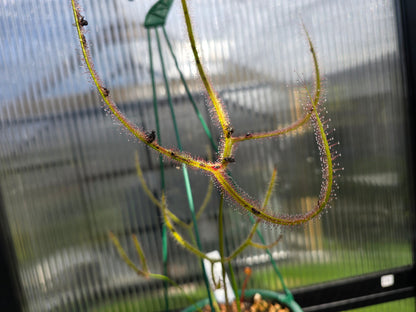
x: 10, y: 288
x: 360, y: 291
x: 406, y: 12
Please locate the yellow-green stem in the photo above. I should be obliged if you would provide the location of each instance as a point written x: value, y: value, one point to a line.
x: 221, y: 113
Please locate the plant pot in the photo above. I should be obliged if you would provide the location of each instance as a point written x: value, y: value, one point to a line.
x: 265, y: 294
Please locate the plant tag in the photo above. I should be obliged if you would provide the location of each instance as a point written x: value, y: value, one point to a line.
x: 214, y: 275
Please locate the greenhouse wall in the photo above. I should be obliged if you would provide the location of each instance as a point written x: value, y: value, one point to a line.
x: 68, y: 168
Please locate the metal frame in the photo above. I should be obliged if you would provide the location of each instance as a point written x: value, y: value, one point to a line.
x: 406, y: 11
x: 359, y: 291
x: 10, y: 288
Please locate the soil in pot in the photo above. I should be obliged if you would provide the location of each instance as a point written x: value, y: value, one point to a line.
x: 257, y: 304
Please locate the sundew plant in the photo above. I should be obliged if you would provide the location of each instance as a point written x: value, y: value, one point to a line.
x: 313, y: 114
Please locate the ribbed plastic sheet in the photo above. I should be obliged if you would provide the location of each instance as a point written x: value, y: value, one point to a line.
x: 67, y: 170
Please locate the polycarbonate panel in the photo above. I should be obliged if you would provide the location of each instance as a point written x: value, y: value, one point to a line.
x: 68, y: 172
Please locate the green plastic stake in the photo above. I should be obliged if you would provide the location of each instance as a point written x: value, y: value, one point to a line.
x: 156, y: 17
